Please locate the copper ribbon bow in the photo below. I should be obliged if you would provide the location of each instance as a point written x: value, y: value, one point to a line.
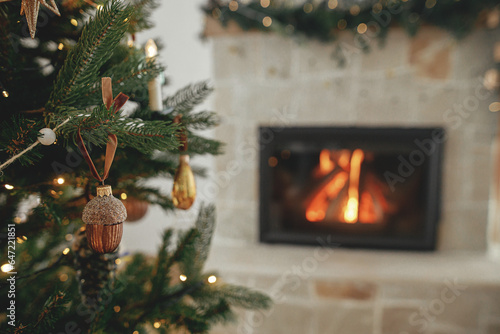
x: 117, y: 102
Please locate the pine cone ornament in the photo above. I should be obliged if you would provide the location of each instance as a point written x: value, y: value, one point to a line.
x: 104, y: 216
x: 94, y: 271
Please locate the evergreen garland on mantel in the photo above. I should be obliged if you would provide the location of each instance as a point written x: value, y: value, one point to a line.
x: 323, y: 20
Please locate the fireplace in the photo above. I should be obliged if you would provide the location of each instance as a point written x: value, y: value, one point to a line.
x: 358, y: 187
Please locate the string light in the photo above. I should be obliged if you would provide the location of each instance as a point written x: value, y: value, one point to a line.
x: 6, y: 267
x: 135, y: 332
x: 5, y: 93
x: 9, y: 187
x: 99, y: 7
x: 117, y: 308
x: 19, y: 240
x: 332, y: 4
x: 355, y: 10
x: 17, y: 220
x: 495, y: 106
x: 66, y: 251
x: 68, y: 237
x: 60, y: 180
x: 342, y: 24
x: 156, y: 324
x: 118, y: 261
x: 60, y: 46
x: 233, y: 6
x: 74, y: 22
x: 183, y: 278
x: 267, y: 21
x: 413, y: 17
x: 377, y: 8
x: 265, y: 3
x: 123, y: 196
x: 308, y: 7
x: 63, y: 277
x: 362, y: 28
x: 212, y: 279
x: 430, y: 3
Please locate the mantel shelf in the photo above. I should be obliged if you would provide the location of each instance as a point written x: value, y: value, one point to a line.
x: 472, y: 268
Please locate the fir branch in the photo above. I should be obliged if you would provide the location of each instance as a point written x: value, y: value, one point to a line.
x: 200, y: 145
x: 51, y: 312
x: 238, y: 296
x: 201, y: 120
x: 95, y: 46
x: 205, y: 225
x: 27, y: 150
x: 185, y: 99
x: 140, y: 18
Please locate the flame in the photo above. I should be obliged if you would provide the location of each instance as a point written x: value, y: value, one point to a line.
x: 367, y: 211
x: 342, y: 169
x: 326, y: 165
x: 316, y: 210
x: 351, y: 209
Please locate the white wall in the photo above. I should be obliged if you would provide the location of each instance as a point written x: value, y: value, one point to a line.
x: 187, y: 58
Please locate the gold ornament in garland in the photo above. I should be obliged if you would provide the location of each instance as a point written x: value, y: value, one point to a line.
x: 104, y: 214
x: 184, y: 190
x: 30, y: 9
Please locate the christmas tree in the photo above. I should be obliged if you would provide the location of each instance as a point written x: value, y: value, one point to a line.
x: 57, y: 277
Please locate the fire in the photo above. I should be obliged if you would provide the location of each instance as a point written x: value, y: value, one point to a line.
x: 317, y: 209
x: 342, y: 170
x: 351, y: 209
x: 326, y: 165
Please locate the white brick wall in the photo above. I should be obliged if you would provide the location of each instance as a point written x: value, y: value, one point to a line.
x: 266, y: 79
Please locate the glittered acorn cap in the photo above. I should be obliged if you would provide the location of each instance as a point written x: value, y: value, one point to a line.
x: 104, y: 216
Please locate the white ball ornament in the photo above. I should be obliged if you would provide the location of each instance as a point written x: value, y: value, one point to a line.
x: 48, y: 137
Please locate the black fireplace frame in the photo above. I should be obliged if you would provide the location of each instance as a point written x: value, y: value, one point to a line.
x: 271, y: 138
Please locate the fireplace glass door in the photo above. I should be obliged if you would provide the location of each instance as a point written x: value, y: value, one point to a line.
x: 357, y: 187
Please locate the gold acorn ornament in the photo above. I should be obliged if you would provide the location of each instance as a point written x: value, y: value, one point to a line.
x: 184, y: 190
x: 104, y: 214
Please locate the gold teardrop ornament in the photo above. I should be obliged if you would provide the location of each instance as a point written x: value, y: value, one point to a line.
x: 184, y: 191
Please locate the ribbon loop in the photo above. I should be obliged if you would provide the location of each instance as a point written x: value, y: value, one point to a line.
x: 108, y: 160
x: 117, y: 102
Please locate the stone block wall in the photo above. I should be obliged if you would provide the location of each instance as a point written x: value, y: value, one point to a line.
x: 432, y: 80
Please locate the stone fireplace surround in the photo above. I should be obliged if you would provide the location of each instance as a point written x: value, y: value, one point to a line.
x: 431, y: 80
